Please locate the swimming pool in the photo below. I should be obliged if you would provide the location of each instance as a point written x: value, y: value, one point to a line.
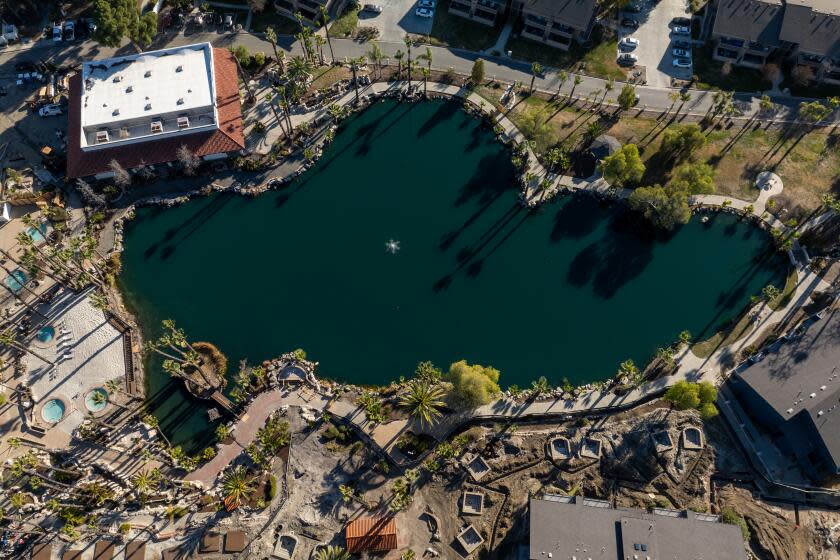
x: 45, y: 334
x: 53, y: 411
x: 96, y: 400
x: 37, y: 234
x: 15, y: 280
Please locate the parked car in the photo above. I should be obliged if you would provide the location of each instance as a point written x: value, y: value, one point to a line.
x: 633, y: 8
x: 630, y: 23
x: 682, y: 63
x: 373, y: 8
x: 50, y: 110
x: 681, y: 21
x: 69, y: 31
x: 426, y: 4
x: 681, y: 53
x: 681, y: 30
x: 681, y: 44
x: 424, y: 12
x: 57, y: 34
x: 627, y: 59
x: 628, y: 43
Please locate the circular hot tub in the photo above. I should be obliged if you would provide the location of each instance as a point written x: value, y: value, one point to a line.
x: 96, y: 400
x: 53, y: 411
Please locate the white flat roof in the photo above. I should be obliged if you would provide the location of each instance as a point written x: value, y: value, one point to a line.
x: 171, y: 80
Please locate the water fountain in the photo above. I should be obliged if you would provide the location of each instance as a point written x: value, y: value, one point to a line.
x: 392, y: 246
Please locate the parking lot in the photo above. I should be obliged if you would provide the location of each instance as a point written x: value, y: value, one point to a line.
x: 655, y: 39
x: 397, y: 19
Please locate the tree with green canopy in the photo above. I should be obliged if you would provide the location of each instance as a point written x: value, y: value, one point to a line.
x: 117, y: 20
x: 477, y: 73
x: 664, y: 207
x: 623, y: 167
x: 423, y: 400
x: 473, y: 385
x: 694, y: 178
x: 627, y: 96
x: 681, y: 141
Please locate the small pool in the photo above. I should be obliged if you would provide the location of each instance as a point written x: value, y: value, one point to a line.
x: 37, y: 234
x: 53, y: 411
x: 96, y: 400
x: 45, y: 334
x: 15, y: 280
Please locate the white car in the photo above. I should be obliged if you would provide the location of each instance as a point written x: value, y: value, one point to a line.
x: 50, y: 111
x: 682, y: 63
x: 681, y: 30
x: 681, y: 53
x: 426, y: 4
x: 629, y: 43
x: 424, y: 12
x: 57, y: 33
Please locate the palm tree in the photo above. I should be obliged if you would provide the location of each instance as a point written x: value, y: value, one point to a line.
x: 577, y: 82
x: 271, y: 37
x: 145, y: 481
x: 536, y: 69
x: 398, y: 56
x: 562, y: 76
x: 426, y: 73
x: 608, y: 87
x: 8, y: 339
x: 674, y: 97
x: 375, y: 54
x: 300, y: 70
x: 427, y: 56
x: 319, y: 43
x: 685, y: 97
x: 269, y: 97
x: 541, y: 385
x: 325, y: 19
x: 423, y: 401
x: 355, y: 64
x: 332, y: 553
x: 236, y: 487
x: 407, y: 41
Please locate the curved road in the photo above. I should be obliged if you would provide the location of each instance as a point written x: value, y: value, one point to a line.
x: 651, y: 98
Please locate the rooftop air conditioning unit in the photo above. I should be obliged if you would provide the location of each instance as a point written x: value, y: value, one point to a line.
x: 183, y: 122
x: 148, y: 74
x: 157, y: 127
x: 180, y: 101
x: 148, y: 107
x: 129, y: 89
x: 115, y: 112
x: 117, y: 78
x: 179, y: 69
x: 101, y: 136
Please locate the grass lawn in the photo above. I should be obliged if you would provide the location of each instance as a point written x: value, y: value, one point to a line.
x: 710, y: 75
x: 726, y: 337
x: 270, y: 18
x: 787, y: 291
x: 346, y: 23
x: 809, y: 167
x: 597, y: 60
x: 328, y: 75
x: 453, y: 31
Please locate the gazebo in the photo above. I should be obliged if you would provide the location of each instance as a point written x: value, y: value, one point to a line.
x: 603, y: 146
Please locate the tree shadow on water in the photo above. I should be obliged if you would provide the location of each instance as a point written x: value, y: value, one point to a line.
x: 444, y: 112
x: 574, y: 218
x: 172, y: 237
x: 493, y: 176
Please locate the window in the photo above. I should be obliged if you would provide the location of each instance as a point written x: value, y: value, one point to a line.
x: 101, y: 136
x: 157, y: 127
x: 183, y: 122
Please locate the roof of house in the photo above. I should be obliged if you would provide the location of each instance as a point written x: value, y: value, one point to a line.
x: 370, y: 533
x: 603, y: 146
x: 235, y: 541
x: 814, y: 25
x: 574, y: 13
x: 802, y: 374
x: 135, y: 550
x: 568, y: 527
x: 750, y: 20
x: 104, y: 550
x: 229, y: 137
x: 210, y: 542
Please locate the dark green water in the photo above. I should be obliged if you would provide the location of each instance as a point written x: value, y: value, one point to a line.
x: 568, y: 291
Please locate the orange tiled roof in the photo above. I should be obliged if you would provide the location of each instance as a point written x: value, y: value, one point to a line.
x: 368, y: 533
x: 228, y: 138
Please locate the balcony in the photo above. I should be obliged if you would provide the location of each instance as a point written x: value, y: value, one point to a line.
x: 536, y: 20
x: 726, y: 53
x: 560, y: 39
x: 758, y: 47
x: 732, y: 42
x: 562, y: 29
x: 484, y: 14
x: 309, y: 4
x: 754, y: 59
x: 462, y: 9
x: 810, y: 59
x: 534, y: 32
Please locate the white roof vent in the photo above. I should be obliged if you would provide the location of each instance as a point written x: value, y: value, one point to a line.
x: 101, y: 136
x: 115, y: 112
x: 183, y: 122
x: 157, y: 127
x: 179, y: 69
x: 148, y: 107
x: 129, y: 89
x: 180, y: 101
x: 822, y: 387
x: 789, y: 411
x: 812, y: 395
x: 820, y: 413
x: 148, y: 74
x: 117, y: 78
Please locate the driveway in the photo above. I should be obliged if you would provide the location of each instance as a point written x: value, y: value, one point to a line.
x: 654, y: 35
x: 397, y: 19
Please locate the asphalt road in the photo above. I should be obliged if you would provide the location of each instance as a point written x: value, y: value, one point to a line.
x: 651, y: 98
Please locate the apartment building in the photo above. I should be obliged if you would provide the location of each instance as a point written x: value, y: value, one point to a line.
x: 558, y: 22
x: 812, y: 29
x: 309, y: 9
x: 487, y: 12
x: 746, y: 32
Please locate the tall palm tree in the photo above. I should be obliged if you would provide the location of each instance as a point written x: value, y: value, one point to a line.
x: 407, y: 41
x: 355, y: 64
x: 375, y: 54
x: 332, y: 553
x: 319, y: 43
x: 426, y: 73
x: 269, y: 97
x: 145, y: 481
x: 427, y: 56
x: 536, y: 69
x: 562, y: 76
x: 398, y: 56
x: 271, y: 37
x: 608, y: 87
x: 325, y: 19
x: 236, y: 487
x: 577, y: 82
x: 423, y: 401
x: 8, y: 338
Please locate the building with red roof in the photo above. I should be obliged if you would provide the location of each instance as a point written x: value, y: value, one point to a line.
x: 141, y: 109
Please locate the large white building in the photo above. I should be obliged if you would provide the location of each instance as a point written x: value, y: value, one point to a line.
x: 139, y: 109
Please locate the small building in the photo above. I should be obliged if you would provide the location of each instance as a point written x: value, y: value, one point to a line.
x: 558, y: 22
x: 746, y: 32
x: 139, y: 110
x: 792, y: 390
x: 603, y: 146
x: 487, y: 12
x: 371, y: 534
x: 576, y: 527
x: 309, y: 9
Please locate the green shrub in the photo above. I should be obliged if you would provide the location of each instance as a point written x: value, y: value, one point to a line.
x: 272, y: 487
x: 729, y: 515
x: 125, y: 528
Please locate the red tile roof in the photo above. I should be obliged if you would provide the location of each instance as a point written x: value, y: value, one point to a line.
x: 367, y: 533
x: 228, y: 138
